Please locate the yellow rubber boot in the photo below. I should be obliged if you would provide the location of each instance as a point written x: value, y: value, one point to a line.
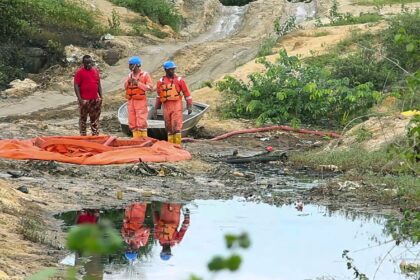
x: 143, y: 133
x: 178, y: 138
x: 171, y: 138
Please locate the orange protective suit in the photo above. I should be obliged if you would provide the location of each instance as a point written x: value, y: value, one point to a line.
x: 134, y: 232
x: 172, y: 103
x: 167, y: 222
x: 137, y: 103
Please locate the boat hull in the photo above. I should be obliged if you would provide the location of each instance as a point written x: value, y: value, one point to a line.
x: 156, y: 128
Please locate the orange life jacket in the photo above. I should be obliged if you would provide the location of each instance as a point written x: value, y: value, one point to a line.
x: 133, y: 91
x: 134, y: 217
x: 165, y: 231
x: 170, y: 91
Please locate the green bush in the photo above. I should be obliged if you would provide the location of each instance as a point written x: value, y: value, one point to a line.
x: 337, y: 18
x: 363, y: 67
x: 160, y: 11
x: 47, y: 24
x: 266, y: 47
x: 402, y: 40
x: 11, y: 65
x: 291, y: 92
x: 13, y: 20
x: 21, y: 20
x: 348, y: 18
x: 63, y: 13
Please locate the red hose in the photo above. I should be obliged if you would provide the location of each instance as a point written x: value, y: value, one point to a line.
x: 269, y: 128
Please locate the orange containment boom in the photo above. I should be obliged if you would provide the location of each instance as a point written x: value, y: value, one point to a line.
x: 92, y: 150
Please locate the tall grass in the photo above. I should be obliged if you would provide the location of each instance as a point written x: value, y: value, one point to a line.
x: 266, y: 47
x: 159, y: 11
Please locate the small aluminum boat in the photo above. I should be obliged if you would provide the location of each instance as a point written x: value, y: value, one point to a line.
x: 156, y: 128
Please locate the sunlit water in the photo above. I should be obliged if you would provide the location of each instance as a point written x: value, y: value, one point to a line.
x: 286, y: 244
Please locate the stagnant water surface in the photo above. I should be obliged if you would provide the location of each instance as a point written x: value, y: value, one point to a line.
x: 286, y: 243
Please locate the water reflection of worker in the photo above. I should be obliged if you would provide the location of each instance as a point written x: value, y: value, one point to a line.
x: 134, y: 231
x: 87, y: 216
x: 94, y: 267
x: 166, y: 223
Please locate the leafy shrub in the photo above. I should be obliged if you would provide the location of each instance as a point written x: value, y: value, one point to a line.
x: 348, y: 18
x: 402, y: 40
x: 156, y: 32
x: 363, y: 67
x: 289, y: 25
x: 114, y: 23
x: 63, y: 13
x: 11, y: 65
x: 266, y: 47
x: 13, y: 19
x: 160, y: 11
x: 48, y: 24
x: 337, y: 18
x: 289, y: 91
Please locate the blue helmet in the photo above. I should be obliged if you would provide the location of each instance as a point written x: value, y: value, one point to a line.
x: 164, y: 256
x: 169, y: 64
x: 134, y: 60
x: 131, y: 256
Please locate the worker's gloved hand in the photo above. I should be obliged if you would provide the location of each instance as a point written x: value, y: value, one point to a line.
x: 189, y: 108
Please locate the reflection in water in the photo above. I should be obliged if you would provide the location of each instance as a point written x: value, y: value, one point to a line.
x: 87, y: 216
x: 134, y: 231
x: 289, y: 242
x: 93, y: 266
x: 166, y: 223
x: 137, y: 221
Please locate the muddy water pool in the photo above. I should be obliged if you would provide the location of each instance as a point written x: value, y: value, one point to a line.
x: 285, y: 243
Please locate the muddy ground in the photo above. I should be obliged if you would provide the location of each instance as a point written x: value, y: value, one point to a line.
x: 41, y: 189
x: 31, y: 238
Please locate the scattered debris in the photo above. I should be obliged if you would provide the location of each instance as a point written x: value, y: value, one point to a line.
x: 299, y: 205
x: 143, y: 169
x: 107, y: 37
x: 16, y: 174
x: 119, y: 195
x: 410, y: 266
x: 263, y: 157
x: 329, y: 167
x: 23, y: 189
x: 238, y: 174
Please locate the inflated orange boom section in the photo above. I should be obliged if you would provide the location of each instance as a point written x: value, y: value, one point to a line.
x: 92, y: 150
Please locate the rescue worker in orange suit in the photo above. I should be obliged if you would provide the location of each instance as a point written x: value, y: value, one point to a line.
x: 166, y: 225
x: 134, y: 231
x: 170, y: 89
x: 137, y: 84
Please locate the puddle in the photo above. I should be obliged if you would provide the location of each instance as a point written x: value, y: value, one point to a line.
x: 286, y: 243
